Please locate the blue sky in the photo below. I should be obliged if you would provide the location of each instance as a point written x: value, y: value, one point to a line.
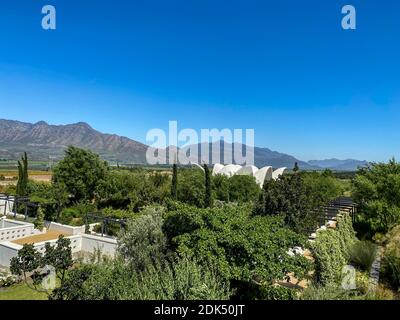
x: 285, y: 68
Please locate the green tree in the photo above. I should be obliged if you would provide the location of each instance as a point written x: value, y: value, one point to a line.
x: 59, y: 256
x: 243, y: 189
x: 246, y: 250
x: 191, y: 187
x: 142, y: 242
x: 296, y: 167
x: 174, y: 186
x: 39, y: 221
x: 220, y: 186
x: 297, y: 197
x: 208, y: 195
x: 22, y: 176
x: 81, y: 171
x: 29, y: 262
x: 376, y: 190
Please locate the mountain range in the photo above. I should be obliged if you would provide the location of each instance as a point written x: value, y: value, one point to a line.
x: 41, y: 141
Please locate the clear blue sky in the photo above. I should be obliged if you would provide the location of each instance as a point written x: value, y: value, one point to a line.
x: 285, y: 68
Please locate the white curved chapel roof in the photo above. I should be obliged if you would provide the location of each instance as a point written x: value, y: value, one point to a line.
x: 230, y: 170
x: 217, y: 168
x: 248, y: 171
x: 261, y: 175
x: 264, y: 174
x: 278, y: 172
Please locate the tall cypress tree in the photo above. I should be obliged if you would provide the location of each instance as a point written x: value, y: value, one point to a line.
x: 22, y: 175
x: 296, y: 167
x: 208, y: 194
x: 174, y: 186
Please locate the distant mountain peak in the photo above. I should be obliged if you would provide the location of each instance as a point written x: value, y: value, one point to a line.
x: 82, y: 124
x: 42, y: 140
x: 41, y: 123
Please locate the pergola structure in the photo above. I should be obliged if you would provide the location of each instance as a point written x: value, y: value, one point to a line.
x: 334, y: 207
x: 17, y: 201
x: 105, y: 221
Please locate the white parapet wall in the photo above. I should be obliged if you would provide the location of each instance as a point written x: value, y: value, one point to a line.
x: 79, y: 244
x: 92, y: 243
x: 67, y: 230
x: 11, y: 230
x: 8, y: 250
x: 76, y: 244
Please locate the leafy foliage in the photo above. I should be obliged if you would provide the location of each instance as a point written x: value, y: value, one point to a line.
x: 174, y: 185
x: 376, y: 189
x: 242, y: 247
x: 331, y: 251
x: 243, y: 189
x: 296, y: 196
x: 39, y: 221
x: 208, y: 201
x: 81, y: 171
x: 22, y: 176
x: 327, y: 292
x: 178, y: 279
x: 363, y: 254
x: 29, y: 262
x: 132, y: 190
x: 143, y: 242
x: 391, y: 269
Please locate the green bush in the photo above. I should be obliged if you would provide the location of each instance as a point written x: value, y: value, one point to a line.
x: 391, y: 269
x: 81, y: 172
x: 328, y: 292
x: 142, y: 241
x: 177, y: 279
x: 376, y: 190
x: 244, y: 248
x: 363, y: 254
x: 331, y: 251
x: 295, y: 196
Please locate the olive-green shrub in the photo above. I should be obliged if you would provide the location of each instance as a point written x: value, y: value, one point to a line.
x: 331, y: 251
x: 363, y: 254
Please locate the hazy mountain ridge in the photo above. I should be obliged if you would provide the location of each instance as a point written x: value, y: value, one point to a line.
x: 42, y: 141
x: 339, y: 165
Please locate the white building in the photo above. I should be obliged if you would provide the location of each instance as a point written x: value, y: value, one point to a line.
x: 261, y: 175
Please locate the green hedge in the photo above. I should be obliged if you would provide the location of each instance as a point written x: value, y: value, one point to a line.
x: 331, y: 251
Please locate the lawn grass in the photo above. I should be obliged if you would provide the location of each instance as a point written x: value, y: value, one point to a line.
x: 21, y: 291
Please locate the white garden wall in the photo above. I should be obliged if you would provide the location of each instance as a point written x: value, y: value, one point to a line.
x: 91, y: 243
x: 67, y: 230
x: 8, y: 250
x: 11, y: 230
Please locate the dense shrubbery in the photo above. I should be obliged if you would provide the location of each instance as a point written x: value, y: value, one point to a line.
x: 195, y: 239
x: 331, y: 251
x: 390, y: 270
x: 133, y: 190
x: 143, y: 242
x: 244, y: 248
x: 177, y: 279
x: 80, y: 172
x: 363, y: 254
x: 296, y: 196
x: 376, y: 189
